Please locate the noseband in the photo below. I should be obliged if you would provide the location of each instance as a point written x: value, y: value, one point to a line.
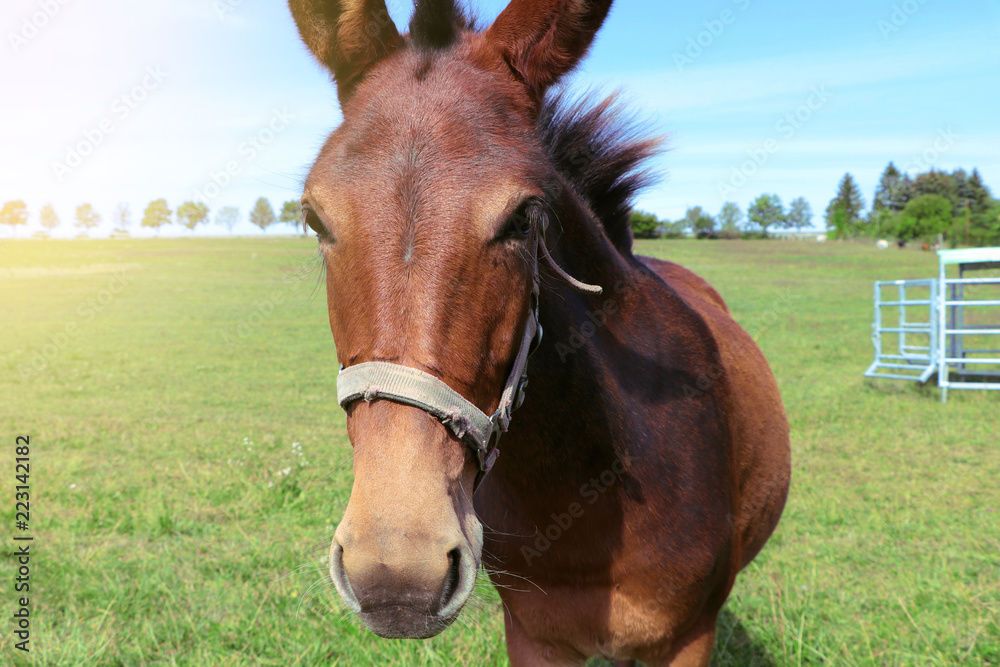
x: 409, y: 386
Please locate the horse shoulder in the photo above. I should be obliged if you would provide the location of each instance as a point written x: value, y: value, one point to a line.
x: 757, y: 422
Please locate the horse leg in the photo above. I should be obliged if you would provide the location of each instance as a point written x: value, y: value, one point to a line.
x: 523, y: 651
x: 693, y: 648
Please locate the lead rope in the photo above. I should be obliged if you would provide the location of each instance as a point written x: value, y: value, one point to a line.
x: 568, y: 279
x: 513, y: 394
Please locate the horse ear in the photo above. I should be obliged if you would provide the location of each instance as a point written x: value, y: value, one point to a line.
x: 346, y: 36
x: 543, y: 39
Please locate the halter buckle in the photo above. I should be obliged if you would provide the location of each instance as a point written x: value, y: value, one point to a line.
x: 520, y: 393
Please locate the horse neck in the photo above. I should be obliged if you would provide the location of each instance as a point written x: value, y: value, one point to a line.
x: 577, y: 241
x: 565, y: 422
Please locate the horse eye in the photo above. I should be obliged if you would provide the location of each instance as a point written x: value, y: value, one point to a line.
x: 520, y: 224
x: 314, y: 222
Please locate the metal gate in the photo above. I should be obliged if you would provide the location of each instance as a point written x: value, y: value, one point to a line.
x: 969, y: 317
x: 949, y: 326
x: 912, y: 357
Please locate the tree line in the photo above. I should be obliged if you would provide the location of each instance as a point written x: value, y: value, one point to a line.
x: 157, y: 215
x: 767, y: 212
x: 957, y: 206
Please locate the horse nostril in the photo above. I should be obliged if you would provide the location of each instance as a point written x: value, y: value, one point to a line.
x: 454, y: 578
x: 340, y: 581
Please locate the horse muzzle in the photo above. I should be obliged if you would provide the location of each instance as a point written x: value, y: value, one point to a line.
x: 409, y: 585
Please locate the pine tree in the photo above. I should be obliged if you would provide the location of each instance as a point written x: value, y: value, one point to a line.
x: 850, y: 203
x: 980, y: 199
x: 905, y: 194
x: 963, y: 192
x: 891, y: 193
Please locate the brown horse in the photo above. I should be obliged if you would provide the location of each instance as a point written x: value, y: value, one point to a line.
x: 459, y: 205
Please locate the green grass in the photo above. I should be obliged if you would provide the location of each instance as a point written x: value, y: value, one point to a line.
x: 163, y: 424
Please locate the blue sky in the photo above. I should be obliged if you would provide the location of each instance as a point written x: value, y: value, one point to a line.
x: 755, y: 95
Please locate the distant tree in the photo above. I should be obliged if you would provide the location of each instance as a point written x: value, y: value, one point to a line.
x: 700, y: 222
x: 893, y: 191
x: 985, y: 226
x: 262, y: 214
x: 767, y: 211
x: 904, y: 195
x: 837, y: 224
x: 191, y: 214
x: 882, y: 223
x: 49, y: 218
x: 291, y: 213
x: 849, y: 201
x: 730, y: 217
x: 157, y: 215
x: 799, y: 213
x: 980, y: 199
x: 935, y: 183
x: 963, y: 191
x: 14, y: 213
x: 672, y: 230
x: 925, y: 217
x: 644, y: 225
x: 86, y: 217
x: 228, y: 216
x: 122, y: 217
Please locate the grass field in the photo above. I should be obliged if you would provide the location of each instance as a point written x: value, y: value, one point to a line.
x: 189, y: 465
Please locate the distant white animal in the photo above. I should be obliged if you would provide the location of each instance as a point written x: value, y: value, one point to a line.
x: 821, y: 238
x: 882, y: 245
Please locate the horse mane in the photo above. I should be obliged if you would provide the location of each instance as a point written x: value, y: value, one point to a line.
x: 436, y: 24
x: 600, y: 149
x: 597, y: 146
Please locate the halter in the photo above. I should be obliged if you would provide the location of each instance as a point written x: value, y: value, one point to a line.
x: 409, y: 386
